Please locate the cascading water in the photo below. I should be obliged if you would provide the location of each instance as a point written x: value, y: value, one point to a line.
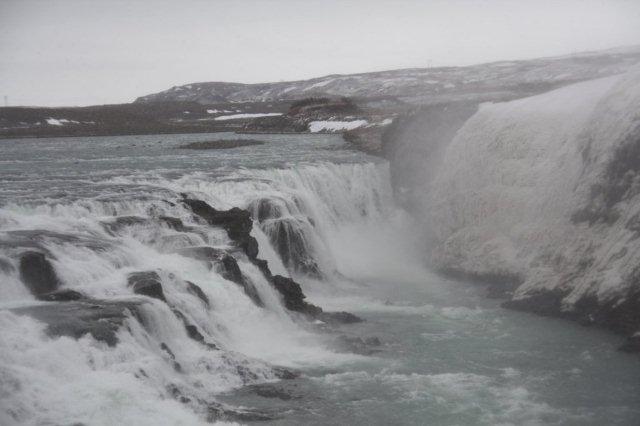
x: 120, y: 224
x: 160, y: 315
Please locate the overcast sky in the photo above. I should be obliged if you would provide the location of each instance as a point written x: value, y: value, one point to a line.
x: 62, y: 52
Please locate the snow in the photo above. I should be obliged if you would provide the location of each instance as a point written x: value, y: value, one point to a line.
x: 217, y: 111
x: 320, y: 84
x: 513, y: 175
x: 60, y: 121
x: 238, y: 116
x: 335, y: 126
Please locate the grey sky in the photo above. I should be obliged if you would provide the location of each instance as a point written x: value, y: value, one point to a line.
x: 88, y: 52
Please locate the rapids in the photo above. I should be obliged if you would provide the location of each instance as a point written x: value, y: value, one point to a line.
x: 429, y: 352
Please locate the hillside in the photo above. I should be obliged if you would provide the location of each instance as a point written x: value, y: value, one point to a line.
x: 499, y: 80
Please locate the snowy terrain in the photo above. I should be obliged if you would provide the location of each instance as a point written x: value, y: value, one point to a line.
x: 544, y: 190
x: 503, y: 80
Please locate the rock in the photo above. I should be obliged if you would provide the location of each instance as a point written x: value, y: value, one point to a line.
x: 176, y: 365
x: 632, y: 344
x: 250, y: 246
x: 287, y: 235
x: 193, y: 333
x: 293, y: 297
x: 37, y: 273
x: 266, y: 208
x: 174, y: 223
x: 226, y: 265
x: 101, y: 319
x: 175, y: 392
x: 66, y: 295
x: 285, y: 374
x: 192, y: 330
x: 263, y: 265
x: 146, y: 283
x: 197, y: 291
x: 235, y: 221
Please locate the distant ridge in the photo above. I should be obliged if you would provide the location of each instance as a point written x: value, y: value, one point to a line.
x: 421, y: 85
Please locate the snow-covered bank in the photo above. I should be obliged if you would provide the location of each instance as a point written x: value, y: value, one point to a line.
x: 545, y: 191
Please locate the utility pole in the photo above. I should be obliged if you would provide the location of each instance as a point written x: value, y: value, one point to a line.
x: 6, y: 101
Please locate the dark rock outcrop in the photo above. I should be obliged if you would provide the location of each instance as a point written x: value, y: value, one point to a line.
x: 192, y: 330
x: 176, y: 365
x: 174, y: 223
x: 285, y: 373
x: 226, y: 265
x: 146, y: 283
x: 197, y: 291
x: 37, y: 273
x: 101, y: 319
x: 235, y: 221
x: 293, y: 297
x: 238, y: 224
x: 287, y: 235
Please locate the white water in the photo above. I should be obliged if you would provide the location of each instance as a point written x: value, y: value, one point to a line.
x: 58, y: 379
x: 430, y: 368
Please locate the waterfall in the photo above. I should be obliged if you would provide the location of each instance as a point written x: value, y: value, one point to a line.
x: 169, y: 356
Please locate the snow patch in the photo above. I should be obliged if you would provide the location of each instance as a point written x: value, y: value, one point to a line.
x: 238, y: 116
x: 60, y: 121
x: 335, y: 126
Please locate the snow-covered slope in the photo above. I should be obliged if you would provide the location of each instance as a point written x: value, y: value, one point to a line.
x: 545, y: 191
x: 498, y: 81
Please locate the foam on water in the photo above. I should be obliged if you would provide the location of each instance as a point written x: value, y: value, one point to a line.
x: 91, y: 252
x: 446, y: 355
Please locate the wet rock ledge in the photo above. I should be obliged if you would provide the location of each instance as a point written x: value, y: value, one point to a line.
x: 73, y: 314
